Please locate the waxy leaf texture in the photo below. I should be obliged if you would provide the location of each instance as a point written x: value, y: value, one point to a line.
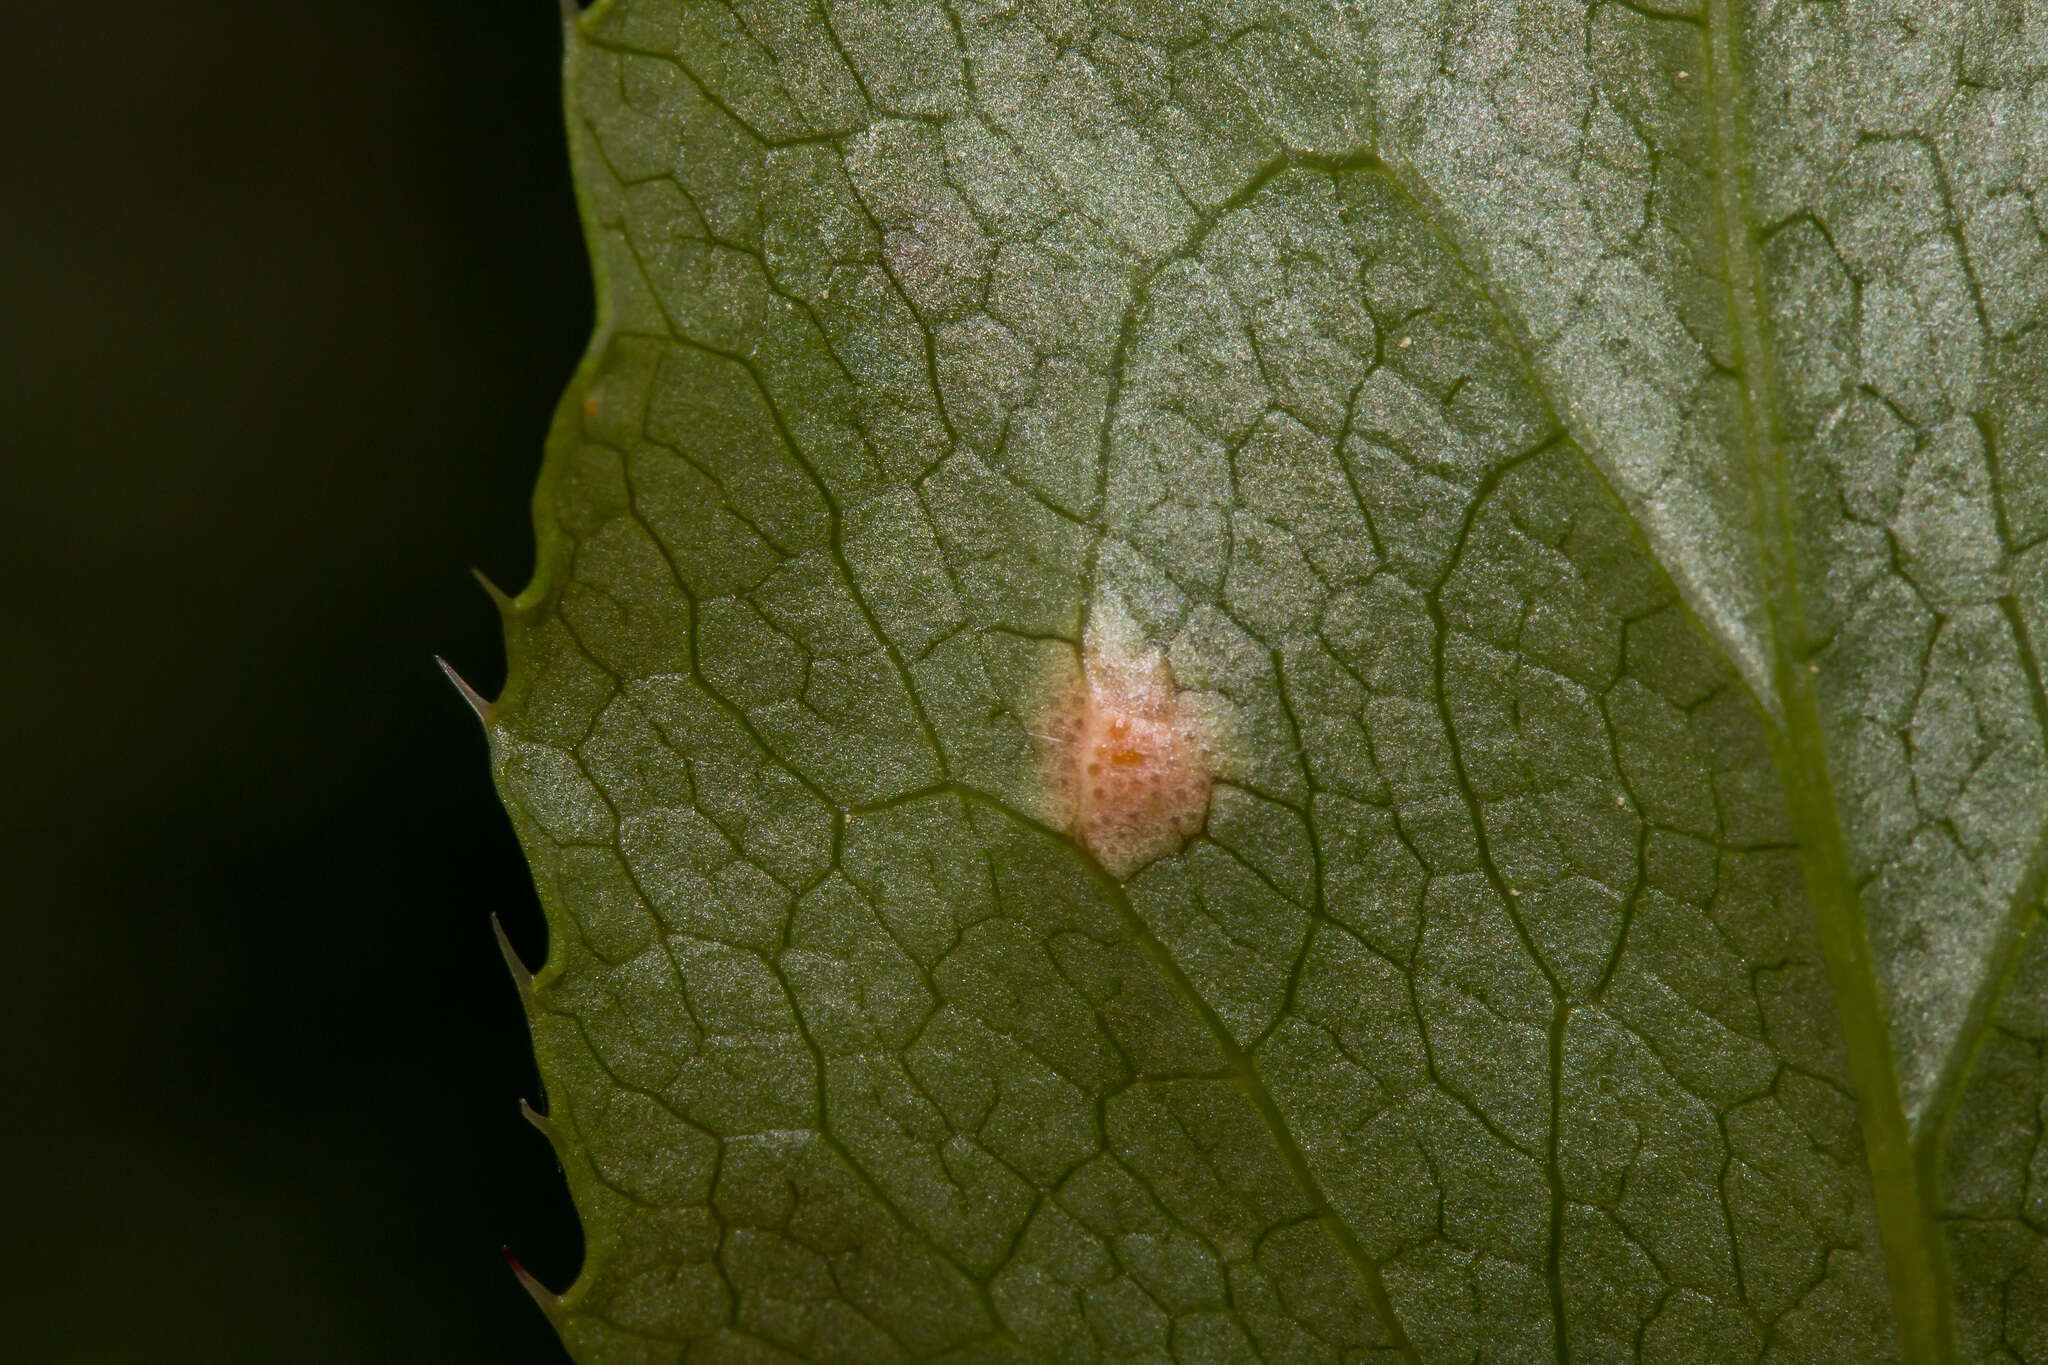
x: 1544, y: 508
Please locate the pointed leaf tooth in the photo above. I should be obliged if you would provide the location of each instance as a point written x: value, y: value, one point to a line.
x: 499, y: 597
x: 469, y: 694
x: 547, y: 1299
x: 522, y: 977
x: 545, y: 1126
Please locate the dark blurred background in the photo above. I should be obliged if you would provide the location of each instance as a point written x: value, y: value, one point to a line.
x: 287, y: 291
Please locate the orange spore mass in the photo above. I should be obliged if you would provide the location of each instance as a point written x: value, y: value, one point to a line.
x: 1128, y: 768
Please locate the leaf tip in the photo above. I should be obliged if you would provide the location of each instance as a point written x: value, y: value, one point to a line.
x: 469, y: 694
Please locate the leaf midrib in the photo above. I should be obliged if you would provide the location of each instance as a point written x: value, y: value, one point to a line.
x: 1915, y: 1263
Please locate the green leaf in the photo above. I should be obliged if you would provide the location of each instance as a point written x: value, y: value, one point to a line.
x: 1537, y: 514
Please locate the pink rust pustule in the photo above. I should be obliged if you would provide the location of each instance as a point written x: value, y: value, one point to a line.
x: 1127, y: 759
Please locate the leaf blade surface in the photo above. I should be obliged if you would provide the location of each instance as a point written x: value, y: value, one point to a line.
x: 1593, y: 500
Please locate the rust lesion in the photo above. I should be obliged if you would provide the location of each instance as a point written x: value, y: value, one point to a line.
x: 1128, y: 762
